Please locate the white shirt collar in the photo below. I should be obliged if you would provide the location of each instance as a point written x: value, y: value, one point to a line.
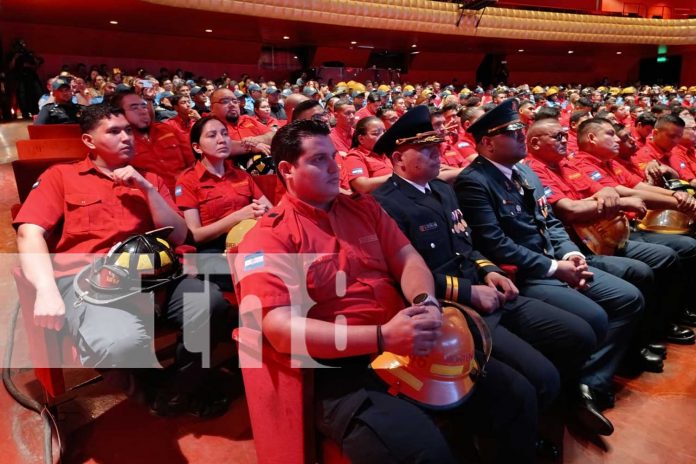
x: 507, y: 172
x: 421, y: 188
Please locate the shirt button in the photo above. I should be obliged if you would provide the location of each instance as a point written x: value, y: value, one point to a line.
x: 432, y: 245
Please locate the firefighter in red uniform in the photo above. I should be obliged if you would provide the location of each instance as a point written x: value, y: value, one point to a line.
x: 342, y: 133
x: 363, y: 169
x: 158, y: 147
x: 578, y: 200
x: 683, y: 157
x: 651, y: 161
x: 252, y: 136
x: 95, y: 204
x: 599, y: 145
x: 358, y: 240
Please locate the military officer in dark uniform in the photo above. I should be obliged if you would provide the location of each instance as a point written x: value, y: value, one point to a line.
x: 62, y: 110
x: 426, y: 210
x: 505, y: 205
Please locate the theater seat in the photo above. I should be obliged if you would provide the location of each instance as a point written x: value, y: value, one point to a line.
x: 54, y: 131
x: 279, y: 397
x: 51, y: 148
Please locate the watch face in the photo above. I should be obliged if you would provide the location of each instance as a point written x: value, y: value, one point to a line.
x: 420, y: 298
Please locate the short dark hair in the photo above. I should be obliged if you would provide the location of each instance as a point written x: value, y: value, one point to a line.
x: 658, y: 108
x: 304, y: 106
x: 436, y: 112
x: 646, y: 119
x: 669, y: 119
x: 547, y: 112
x: 174, y: 99
x: 585, y: 102
x: 287, y: 142
x: 577, y: 116
x: 450, y: 107
x: 383, y: 110
x: 590, y: 125
x: 361, y: 129
x: 338, y: 106
x: 197, y: 131
x: 90, y: 116
x: 117, y: 99
x: 525, y: 103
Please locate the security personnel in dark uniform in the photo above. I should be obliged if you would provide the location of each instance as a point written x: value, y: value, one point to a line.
x: 62, y: 110
x: 426, y: 210
x: 505, y: 204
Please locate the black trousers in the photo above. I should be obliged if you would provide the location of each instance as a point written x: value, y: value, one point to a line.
x: 541, y: 341
x: 371, y: 426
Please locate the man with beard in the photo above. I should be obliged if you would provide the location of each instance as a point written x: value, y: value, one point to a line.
x: 252, y: 134
x: 504, y: 202
x: 158, y: 148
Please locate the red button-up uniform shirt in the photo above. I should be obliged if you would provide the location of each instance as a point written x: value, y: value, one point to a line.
x: 640, y: 142
x: 607, y: 173
x: 215, y: 197
x: 683, y: 160
x: 572, y: 146
x: 562, y: 180
x: 95, y: 213
x: 363, y: 113
x: 247, y: 126
x: 466, y: 145
x: 341, y: 139
x: 356, y: 236
x: 450, y: 156
x: 182, y: 128
x: 162, y: 152
x: 362, y: 163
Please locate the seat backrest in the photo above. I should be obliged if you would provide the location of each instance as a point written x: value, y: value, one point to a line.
x: 26, y: 172
x: 54, y: 131
x: 51, y: 148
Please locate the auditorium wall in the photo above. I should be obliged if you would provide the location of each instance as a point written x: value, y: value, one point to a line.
x: 210, y: 57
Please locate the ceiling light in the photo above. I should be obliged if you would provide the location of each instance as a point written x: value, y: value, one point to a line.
x: 113, y: 22
x: 285, y: 37
x: 414, y: 53
x: 353, y: 42
x: 570, y: 52
x: 414, y: 46
x: 366, y: 46
x: 521, y: 50
x: 208, y: 30
x: 619, y: 53
x: 295, y: 56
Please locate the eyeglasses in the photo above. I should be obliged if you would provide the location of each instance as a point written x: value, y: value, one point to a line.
x: 321, y: 117
x: 227, y: 101
x: 559, y: 136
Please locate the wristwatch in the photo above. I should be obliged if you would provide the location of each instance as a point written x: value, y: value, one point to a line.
x: 425, y: 300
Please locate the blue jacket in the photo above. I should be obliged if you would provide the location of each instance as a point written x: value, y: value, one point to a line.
x: 511, y: 227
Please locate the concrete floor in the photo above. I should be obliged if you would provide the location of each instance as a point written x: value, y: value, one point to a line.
x: 655, y: 417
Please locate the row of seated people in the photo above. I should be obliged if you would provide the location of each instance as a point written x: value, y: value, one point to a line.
x: 561, y: 325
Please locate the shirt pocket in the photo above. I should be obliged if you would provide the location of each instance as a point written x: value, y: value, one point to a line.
x: 85, y: 213
x: 321, y: 277
x: 211, y: 205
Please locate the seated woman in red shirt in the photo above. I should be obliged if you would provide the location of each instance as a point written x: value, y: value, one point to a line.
x: 363, y: 169
x: 262, y: 112
x: 215, y: 196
